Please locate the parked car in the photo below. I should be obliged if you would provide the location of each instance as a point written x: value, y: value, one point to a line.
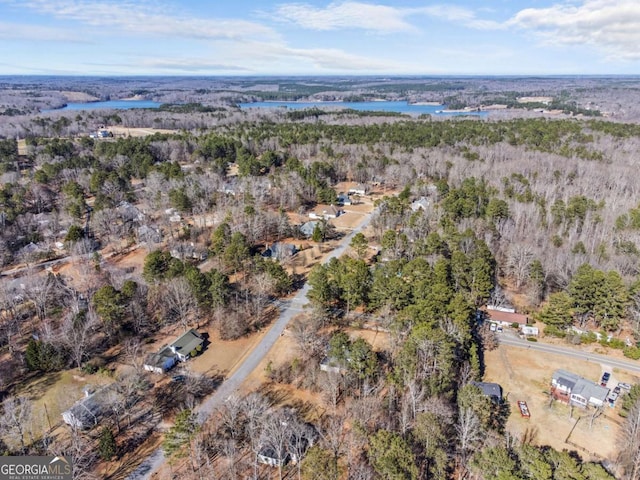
x: 617, y: 390
x: 605, y: 379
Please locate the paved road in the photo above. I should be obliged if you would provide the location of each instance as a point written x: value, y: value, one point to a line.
x: 289, y: 309
x: 511, y: 340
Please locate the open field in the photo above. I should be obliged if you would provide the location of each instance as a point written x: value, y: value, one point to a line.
x: 526, y: 375
x: 136, y: 132
x: 52, y: 394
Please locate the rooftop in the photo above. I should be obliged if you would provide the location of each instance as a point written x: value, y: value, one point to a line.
x: 492, y: 390
x: 188, y: 342
x: 507, y: 317
x: 159, y: 358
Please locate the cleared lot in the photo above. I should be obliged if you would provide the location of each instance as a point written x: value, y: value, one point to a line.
x: 526, y: 375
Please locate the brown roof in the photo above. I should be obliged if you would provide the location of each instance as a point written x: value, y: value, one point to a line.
x: 498, y: 316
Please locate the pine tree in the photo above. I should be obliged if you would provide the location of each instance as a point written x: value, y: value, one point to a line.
x: 107, y: 444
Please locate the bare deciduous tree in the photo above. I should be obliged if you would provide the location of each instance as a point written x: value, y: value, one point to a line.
x: 16, y: 417
x: 76, y: 333
x: 179, y: 301
x: 469, y: 432
x: 630, y: 443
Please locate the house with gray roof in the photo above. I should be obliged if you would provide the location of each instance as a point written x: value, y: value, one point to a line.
x: 344, y: 199
x: 575, y: 390
x: 90, y: 410
x: 161, y: 361
x: 491, y: 390
x: 280, y: 251
x: 189, y: 341
x: 307, y: 228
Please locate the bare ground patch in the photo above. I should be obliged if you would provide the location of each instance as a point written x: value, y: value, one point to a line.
x: 526, y: 375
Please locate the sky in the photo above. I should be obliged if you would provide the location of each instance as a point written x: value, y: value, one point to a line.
x: 378, y: 37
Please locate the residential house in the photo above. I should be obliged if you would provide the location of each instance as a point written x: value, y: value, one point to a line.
x: 331, y: 212
x: 149, y: 234
x: 575, y: 390
x: 183, y: 251
x: 280, y: 251
x: 421, y: 204
x: 301, y: 436
x: 89, y: 411
x: 360, y: 189
x: 161, y: 361
x: 329, y: 364
x: 190, y: 341
x: 269, y: 456
x: 491, y: 390
x: 344, y: 199
x: 129, y: 212
x: 505, y: 317
x: 308, y: 228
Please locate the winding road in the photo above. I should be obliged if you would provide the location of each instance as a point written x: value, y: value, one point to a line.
x: 289, y: 309
x: 513, y: 341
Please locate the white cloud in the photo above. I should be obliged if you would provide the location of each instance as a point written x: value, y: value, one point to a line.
x: 281, y: 58
x: 379, y: 18
x: 38, y: 33
x: 455, y: 14
x: 143, y: 18
x: 187, y: 65
x: 376, y: 18
x: 611, y: 26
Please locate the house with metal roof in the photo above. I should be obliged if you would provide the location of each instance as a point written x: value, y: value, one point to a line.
x: 190, y: 341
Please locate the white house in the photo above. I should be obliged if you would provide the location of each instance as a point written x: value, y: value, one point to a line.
x: 576, y: 390
x: 88, y: 412
x: 180, y: 350
x: 360, y: 189
x: 161, y: 361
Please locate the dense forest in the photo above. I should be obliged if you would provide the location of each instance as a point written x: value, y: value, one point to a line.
x: 539, y: 213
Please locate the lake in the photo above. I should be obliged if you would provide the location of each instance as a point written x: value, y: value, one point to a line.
x: 111, y: 104
x: 395, y: 106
